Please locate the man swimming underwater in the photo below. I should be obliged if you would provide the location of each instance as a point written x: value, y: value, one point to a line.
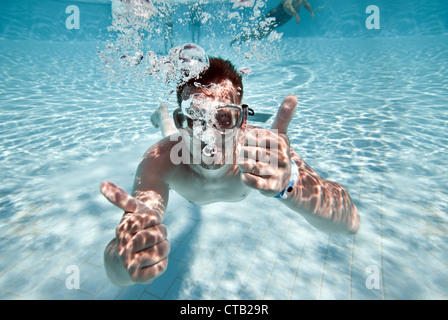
x: 275, y: 18
x: 230, y: 163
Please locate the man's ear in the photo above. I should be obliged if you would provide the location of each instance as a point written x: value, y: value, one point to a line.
x: 174, y: 117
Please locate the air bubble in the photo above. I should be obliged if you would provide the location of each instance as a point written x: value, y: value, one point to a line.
x: 245, y: 71
x: 209, y: 150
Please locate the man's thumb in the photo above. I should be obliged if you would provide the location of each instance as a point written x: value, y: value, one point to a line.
x: 120, y: 198
x: 285, y: 114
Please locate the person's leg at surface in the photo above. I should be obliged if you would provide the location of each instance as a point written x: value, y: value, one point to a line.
x: 162, y: 119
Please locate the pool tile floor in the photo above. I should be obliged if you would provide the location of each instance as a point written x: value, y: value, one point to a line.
x: 255, y: 249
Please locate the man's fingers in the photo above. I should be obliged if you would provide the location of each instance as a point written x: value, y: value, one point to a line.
x: 151, y: 272
x: 254, y: 181
x: 262, y: 138
x: 256, y: 154
x: 147, y: 238
x: 120, y: 198
x: 148, y: 257
x: 159, y: 252
x: 257, y: 168
x: 285, y: 114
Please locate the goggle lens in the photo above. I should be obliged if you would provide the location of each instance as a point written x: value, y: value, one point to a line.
x: 225, y: 118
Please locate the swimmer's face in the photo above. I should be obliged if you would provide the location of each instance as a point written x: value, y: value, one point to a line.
x: 224, y: 144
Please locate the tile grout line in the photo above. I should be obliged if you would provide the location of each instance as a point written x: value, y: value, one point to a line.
x: 170, y: 256
x: 278, y: 252
x: 323, y: 268
x: 350, y: 297
x: 234, y: 253
x: 300, y: 259
x: 256, y: 251
x: 350, y: 293
x: 214, y: 252
x: 381, y: 243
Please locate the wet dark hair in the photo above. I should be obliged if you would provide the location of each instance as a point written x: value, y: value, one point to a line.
x: 218, y: 71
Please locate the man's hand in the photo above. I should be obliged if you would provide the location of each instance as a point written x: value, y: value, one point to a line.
x: 140, y: 237
x: 265, y: 160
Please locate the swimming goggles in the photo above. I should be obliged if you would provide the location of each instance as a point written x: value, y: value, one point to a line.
x: 225, y: 118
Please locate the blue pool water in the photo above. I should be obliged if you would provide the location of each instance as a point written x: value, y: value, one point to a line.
x: 372, y: 115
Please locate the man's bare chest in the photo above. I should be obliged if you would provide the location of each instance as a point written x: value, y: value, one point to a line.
x: 202, y: 190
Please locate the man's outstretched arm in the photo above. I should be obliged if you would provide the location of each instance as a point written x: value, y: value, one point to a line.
x: 324, y: 204
x: 139, y: 251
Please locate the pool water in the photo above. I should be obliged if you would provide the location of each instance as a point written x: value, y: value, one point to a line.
x: 371, y: 116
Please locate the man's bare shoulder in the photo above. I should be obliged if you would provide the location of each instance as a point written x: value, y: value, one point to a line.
x: 156, y: 169
x: 156, y: 161
x: 160, y: 150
